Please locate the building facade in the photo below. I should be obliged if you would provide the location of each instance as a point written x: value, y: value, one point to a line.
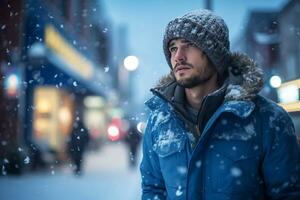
x: 54, y: 56
x: 260, y: 41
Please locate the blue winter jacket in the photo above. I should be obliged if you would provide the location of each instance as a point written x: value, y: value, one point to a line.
x: 247, y: 149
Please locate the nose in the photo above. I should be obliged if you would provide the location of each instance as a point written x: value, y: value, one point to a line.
x: 179, y: 55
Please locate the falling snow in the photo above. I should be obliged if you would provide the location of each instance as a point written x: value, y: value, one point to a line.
x: 236, y: 172
x: 238, y: 132
x: 27, y: 160
x: 169, y: 137
x: 179, y: 191
x: 105, y: 30
x: 224, y: 121
x: 182, y: 170
x: 198, y: 163
x: 249, y: 128
x: 3, y: 171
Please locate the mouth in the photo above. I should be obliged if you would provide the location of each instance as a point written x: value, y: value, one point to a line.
x: 182, y: 68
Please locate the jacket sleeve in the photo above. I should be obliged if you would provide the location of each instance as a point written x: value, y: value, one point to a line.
x: 281, y: 164
x: 153, y: 186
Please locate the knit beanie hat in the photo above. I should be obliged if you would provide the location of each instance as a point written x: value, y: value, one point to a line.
x: 207, y: 31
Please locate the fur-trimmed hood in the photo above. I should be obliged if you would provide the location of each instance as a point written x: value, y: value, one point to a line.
x: 245, y: 79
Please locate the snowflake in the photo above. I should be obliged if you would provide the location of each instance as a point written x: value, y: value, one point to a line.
x: 179, y: 191
x: 198, y: 163
x: 236, y: 172
x: 27, y: 160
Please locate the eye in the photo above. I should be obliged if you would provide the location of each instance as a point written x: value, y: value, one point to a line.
x: 172, y: 49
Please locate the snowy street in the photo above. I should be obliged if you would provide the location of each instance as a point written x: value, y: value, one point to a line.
x: 106, y: 176
x: 208, y: 90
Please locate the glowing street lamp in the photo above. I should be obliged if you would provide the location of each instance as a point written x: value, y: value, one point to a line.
x: 12, y: 81
x: 275, y: 81
x: 131, y: 63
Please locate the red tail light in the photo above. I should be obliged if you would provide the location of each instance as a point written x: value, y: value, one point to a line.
x: 113, y: 132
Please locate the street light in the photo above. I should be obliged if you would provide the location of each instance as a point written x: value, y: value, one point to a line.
x: 275, y: 81
x: 208, y: 4
x: 131, y: 63
x: 12, y: 82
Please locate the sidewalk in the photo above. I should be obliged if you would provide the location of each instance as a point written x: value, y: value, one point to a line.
x: 106, y: 176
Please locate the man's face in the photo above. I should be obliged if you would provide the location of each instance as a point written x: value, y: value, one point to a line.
x: 190, y: 65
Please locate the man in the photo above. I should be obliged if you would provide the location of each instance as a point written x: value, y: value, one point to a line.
x: 210, y: 135
x: 77, y: 145
x: 132, y: 140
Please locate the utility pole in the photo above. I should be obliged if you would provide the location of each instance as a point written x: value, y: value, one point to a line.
x: 208, y: 4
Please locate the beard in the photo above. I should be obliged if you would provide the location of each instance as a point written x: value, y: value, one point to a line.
x: 193, y: 81
x: 197, y: 78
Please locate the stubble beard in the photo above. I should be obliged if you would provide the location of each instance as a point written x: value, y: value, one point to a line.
x: 197, y: 79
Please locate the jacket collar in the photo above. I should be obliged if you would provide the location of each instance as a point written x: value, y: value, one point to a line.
x: 243, y: 84
x: 241, y: 109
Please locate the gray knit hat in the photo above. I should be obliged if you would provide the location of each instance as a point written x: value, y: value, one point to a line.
x: 207, y: 31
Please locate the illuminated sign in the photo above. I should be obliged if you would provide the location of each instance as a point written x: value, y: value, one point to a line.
x: 288, y: 94
x: 291, y: 107
x: 75, y: 60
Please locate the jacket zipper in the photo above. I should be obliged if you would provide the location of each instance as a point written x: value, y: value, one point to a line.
x: 195, y: 130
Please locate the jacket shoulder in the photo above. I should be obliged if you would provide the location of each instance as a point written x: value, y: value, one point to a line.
x: 274, y: 116
x: 264, y: 105
x: 155, y: 103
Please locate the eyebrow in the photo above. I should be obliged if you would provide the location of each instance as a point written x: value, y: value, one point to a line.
x: 172, y: 43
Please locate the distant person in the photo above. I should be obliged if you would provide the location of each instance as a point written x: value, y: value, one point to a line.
x: 77, y: 145
x: 132, y: 139
x: 36, y: 155
x: 210, y: 135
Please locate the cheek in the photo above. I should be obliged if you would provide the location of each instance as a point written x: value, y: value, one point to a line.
x: 199, y: 61
x: 172, y: 63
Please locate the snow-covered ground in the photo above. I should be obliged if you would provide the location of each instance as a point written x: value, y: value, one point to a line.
x: 106, y: 177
